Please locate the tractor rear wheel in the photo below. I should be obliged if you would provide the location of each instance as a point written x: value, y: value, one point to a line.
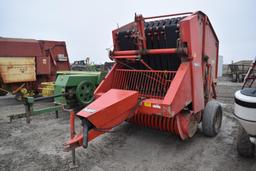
x: 84, y: 92
x: 212, y: 118
x: 245, y: 147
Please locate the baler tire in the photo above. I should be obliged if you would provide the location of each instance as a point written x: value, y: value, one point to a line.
x: 212, y: 118
x: 245, y: 147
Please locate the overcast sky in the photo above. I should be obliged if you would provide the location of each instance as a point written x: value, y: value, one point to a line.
x: 86, y: 25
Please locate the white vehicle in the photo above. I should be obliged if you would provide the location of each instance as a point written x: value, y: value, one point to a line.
x: 245, y: 112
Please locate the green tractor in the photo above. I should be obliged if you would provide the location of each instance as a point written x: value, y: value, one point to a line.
x: 72, y: 90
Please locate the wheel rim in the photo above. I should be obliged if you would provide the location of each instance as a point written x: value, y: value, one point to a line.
x: 84, y: 92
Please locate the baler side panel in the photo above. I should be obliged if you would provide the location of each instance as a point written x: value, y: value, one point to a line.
x: 191, y: 32
x: 179, y: 94
x: 211, y: 49
x: 106, y: 83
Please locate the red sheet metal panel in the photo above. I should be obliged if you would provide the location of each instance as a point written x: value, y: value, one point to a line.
x: 19, y: 47
x: 179, y: 95
x: 188, y: 26
x: 43, y: 65
x: 57, y: 52
x: 111, y: 108
x: 105, y: 84
x: 211, y: 49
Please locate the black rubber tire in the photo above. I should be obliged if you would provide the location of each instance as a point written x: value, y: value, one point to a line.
x: 245, y: 147
x: 212, y: 118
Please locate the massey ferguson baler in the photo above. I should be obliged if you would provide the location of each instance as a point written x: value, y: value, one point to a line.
x: 164, y: 77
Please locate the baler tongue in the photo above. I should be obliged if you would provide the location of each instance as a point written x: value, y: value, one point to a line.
x: 106, y: 112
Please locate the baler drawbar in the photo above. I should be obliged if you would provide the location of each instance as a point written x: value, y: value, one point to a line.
x: 164, y: 77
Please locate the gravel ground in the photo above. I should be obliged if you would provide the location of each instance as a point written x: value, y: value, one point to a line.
x: 39, y: 145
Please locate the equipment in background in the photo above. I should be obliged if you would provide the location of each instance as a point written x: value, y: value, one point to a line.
x: 47, y: 89
x: 26, y: 63
x: 245, y: 113
x: 238, y: 70
x: 250, y: 75
x: 72, y: 90
x: 85, y: 65
x: 164, y: 77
